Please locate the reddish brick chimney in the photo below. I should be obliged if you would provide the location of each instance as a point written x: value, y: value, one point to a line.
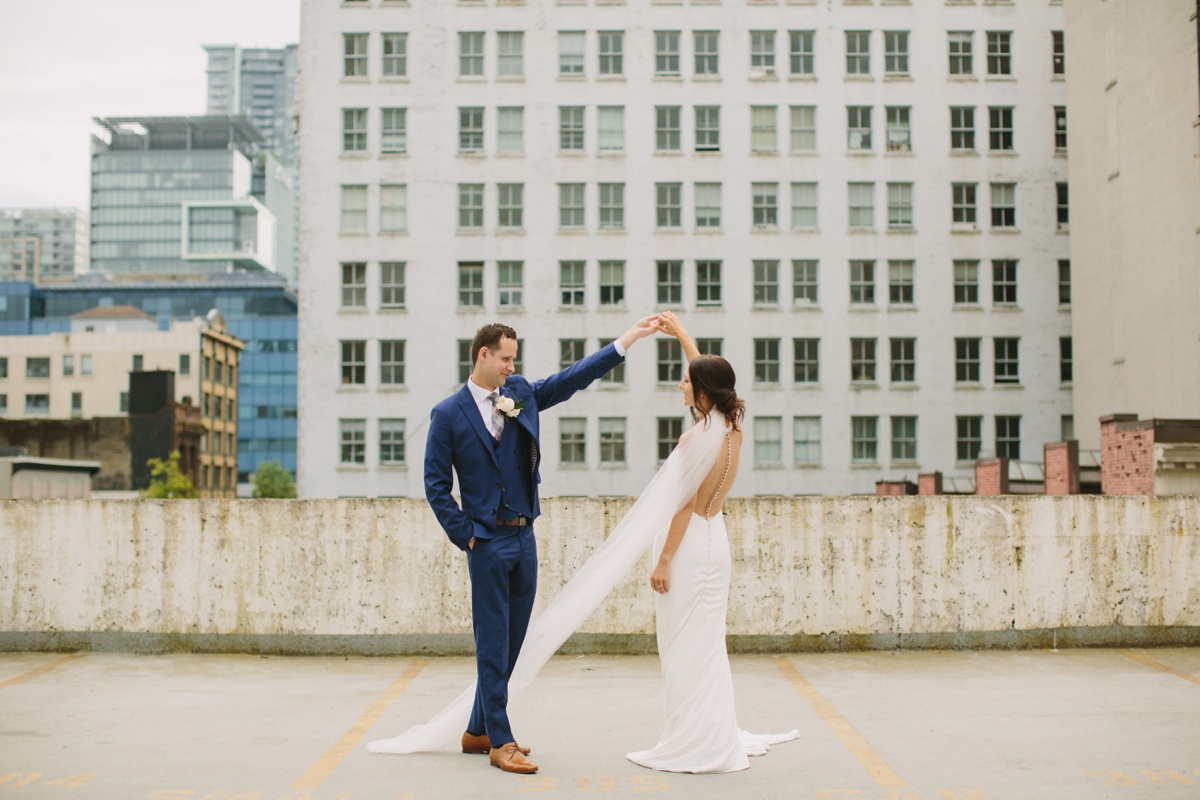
x: 991, y: 477
x: 1062, y: 467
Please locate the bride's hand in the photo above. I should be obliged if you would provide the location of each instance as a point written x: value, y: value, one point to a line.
x: 660, y: 577
x: 669, y: 324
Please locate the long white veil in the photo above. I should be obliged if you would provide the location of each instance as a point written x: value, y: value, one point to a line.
x: 676, y: 482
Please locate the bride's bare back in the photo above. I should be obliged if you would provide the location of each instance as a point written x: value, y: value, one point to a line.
x: 710, y: 498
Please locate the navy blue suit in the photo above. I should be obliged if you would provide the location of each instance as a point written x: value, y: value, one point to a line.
x: 497, y: 481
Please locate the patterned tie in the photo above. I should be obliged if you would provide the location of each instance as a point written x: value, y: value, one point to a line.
x: 497, y: 425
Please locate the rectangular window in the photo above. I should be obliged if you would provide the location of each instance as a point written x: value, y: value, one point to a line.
x: 354, y: 285
x: 616, y: 375
x: 1007, y: 360
x: 904, y: 439
x: 708, y: 283
x: 960, y: 53
x: 858, y: 127
x: 670, y: 282
x: 710, y: 347
x: 670, y: 361
x: 768, y: 440
x: 395, y: 55
x: 668, y: 205
x: 666, y: 53
x: 895, y: 52
x: 354, y: 363
x: 354, y: 130
x: 1058, y: 53
x: 966, y: 282
x: 962, y: 128
x: 806, y: 436
x: 354, y: 440
x: 904, y: 360
x: 570, y: 205
x: 966, y: 361
x: 40, y: 403
x: 900, y: 210
x: 1000, y: 128
x: 470, y: 54
x: 572, y: 440
x: 862, y: 205
x: 766, y: 203
x: 393, y: 207
x: 1066, y: 425
x: 999, y: 44
x: 666, y: 129
x: 1066, y: 364
x: 612, y: 127
x: 470, y: 130
x: 391, y: 362
x: 802, y: 52
x: 510, y: 54
x: 470, y: 206
x: 3, y: 367
x: 68, y: 364
x: 1060, y: 129
x: 464, y: 360
x: 612, y: 48
x: 968, y: 437
x: 1004, y: 205
x: 570, y: 127
x: 1008, y: 437
x: 391, y: 284
x: 766, y: 283
x: 762, y: 52
x: 570, y: 52
x: 1064, y: 282
x: 806, y: 360
x: 858, y: 52
x: 862, y: 282
x: 862, y: 360
x: 76, y: 404
x: 510, y: 282
x: 354, y: 209
x: 1004, y: 282
x: 612, y: 206
x: 1062, y: 206
x: 391, y: 442
x: 706, y: 46
x: 804, y: 205
x: 470, y: 284
x: 37, y: 367
x: 708, y: 205
x: 766, y: 361
x: 510, y: 201
x: 762, y: 129
x: 510, y: 129
x: 669, y: 431
x: 612, y: 283
x: 804, y: 282
x: 185, y: 364
x: 570, y: 351
x: 708, y: 128
x: 354, y: 62
x: 612, y: 440
x: 85, y: 365
x: 962, y: 203
x: 899, y: 131
x: 803, y: 129
x: 123, y: 402
x: 900, y: 283
x: 864, y: 439
x: 571, y: 283
x: 393, y: 135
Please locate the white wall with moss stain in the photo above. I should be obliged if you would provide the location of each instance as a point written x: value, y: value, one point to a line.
x: 802, y: 567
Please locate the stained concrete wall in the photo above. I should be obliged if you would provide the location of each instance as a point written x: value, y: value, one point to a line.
x: 379, y: 576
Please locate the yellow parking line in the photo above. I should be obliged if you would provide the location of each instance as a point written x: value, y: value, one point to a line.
x: 855, y: 743
x: 43, y: 668
x: 327, y: 763
x: 1150, y: 662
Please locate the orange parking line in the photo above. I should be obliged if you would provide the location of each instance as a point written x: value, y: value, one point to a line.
x: 1150, y: 662
x: 43, y: 668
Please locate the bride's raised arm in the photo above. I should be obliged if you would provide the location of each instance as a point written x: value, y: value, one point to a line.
x: 669, y: 324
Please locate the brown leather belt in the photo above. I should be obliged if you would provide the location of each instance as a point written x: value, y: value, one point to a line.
x: 519, y: 521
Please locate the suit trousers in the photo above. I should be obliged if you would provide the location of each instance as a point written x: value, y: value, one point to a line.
x: 503, y: 574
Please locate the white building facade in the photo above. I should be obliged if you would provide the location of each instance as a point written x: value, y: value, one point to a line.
x: 861, y: 205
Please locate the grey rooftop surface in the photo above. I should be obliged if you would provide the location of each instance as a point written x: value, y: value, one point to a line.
x: 986, y: 725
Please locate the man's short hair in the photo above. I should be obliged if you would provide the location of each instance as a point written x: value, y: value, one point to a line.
x: 489, y: 336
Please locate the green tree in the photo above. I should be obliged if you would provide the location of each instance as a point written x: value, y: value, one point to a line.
x: 168, y: 483
x: 272, y: 480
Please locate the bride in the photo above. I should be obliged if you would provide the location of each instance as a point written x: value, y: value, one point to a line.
x: 680, y: 514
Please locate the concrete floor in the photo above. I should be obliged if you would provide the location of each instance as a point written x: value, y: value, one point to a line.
x: 1026, y: 725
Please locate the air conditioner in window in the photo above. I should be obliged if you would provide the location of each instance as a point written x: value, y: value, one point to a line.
x: 899, y: 146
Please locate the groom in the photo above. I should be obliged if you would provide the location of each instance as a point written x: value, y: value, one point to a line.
x: 487, y: 433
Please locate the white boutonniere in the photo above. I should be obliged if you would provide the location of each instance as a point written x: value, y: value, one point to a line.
x: 510, y: 407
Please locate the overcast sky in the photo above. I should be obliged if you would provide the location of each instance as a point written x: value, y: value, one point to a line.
x: 63, y: 62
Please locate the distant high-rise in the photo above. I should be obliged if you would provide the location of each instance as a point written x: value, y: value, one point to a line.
x: 42, y: 243
x: 258, y: 83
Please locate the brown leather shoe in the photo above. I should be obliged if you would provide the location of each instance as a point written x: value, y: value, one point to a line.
x: 509, y: 758
x: 481, y: 745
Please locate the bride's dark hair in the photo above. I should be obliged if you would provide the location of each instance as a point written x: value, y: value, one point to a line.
x: 713, y: 382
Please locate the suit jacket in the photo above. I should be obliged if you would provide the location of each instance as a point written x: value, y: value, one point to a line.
x: 458, y: 440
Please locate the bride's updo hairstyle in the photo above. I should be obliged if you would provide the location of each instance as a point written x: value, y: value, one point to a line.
x: 713, y: 387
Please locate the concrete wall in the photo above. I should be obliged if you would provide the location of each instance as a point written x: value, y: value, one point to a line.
x: 379, y: 575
